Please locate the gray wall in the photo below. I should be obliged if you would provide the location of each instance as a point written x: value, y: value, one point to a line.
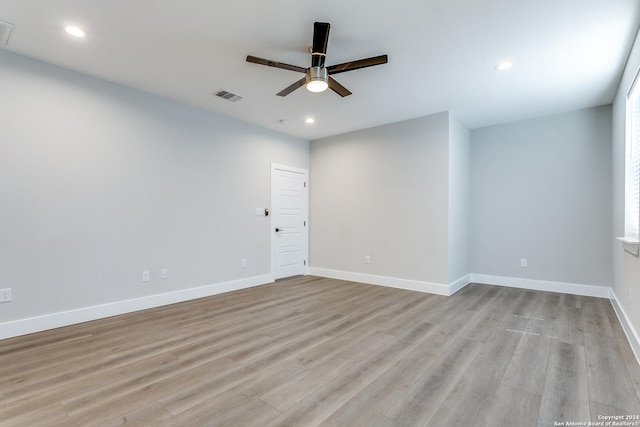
x: 383, y: 192
x: 626, y: 267
x: 459, y: 197
x: 99, y: 182
x: 541, y: 190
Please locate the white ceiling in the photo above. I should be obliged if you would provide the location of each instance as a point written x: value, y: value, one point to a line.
x: 567, y: 54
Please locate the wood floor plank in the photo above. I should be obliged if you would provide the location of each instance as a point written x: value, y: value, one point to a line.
x: 572, y: 301
x: 421, y: 399
x: 547, y: 306
x: 522, y: 303
x: 449, y: 331
x: 328, y: 398
x: 596, y: 318
x: 528, y: 366
x: 315, y: 351
x: 112, y: 384
x: 480, y: 382
x: 297, y: 388
x: 565, y: 396
x: 153, y: 414
x: 224, y: 375
x: 369, y: 405
x: 226, y: 409
x: 609, y: 381
x: 632, y: 365
x: 570, y: 326
x: 83, y: 388
x: 510, y: 406
x: 41, y: 416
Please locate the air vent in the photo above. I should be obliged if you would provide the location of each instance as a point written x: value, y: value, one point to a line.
x: 228, y: 96
x: 5, y: 32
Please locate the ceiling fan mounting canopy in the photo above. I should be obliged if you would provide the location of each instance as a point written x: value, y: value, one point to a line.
x: 318, y: 77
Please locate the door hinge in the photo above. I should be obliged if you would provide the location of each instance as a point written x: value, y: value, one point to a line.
x: 305, y: 185
x: 305, y: 262
x: 304, y: 223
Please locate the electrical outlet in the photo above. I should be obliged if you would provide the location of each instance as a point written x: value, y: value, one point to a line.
x: 164, y: 273
x: 244, y: 263
x: 5, y: 295
x: 146, y: 276
x: 367, y: 259
x: 523, y: 263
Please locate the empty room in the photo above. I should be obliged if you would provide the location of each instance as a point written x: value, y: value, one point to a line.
x: 294, y: 213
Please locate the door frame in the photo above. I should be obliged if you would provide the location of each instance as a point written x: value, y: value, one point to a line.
x: 305, y: 213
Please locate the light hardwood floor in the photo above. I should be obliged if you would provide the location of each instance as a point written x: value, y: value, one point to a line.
x: 308, y: 351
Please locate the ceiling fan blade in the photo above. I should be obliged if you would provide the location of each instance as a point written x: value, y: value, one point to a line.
x: 355, y: 65
x: 338, y: 88
x: 320, y: 42
x: 286, y: 91
x: 275, y: 64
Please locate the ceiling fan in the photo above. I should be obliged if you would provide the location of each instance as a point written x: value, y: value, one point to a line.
x: 318, y: 77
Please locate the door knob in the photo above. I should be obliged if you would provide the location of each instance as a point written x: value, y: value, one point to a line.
x: 278, y: 229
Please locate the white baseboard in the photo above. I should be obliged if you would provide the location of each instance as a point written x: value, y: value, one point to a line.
x: 629, y: 330
x: 393, y: 282
x: 543, y: 285
x: 459, y: 284
x: 450, y: 289
x: 56, y: 320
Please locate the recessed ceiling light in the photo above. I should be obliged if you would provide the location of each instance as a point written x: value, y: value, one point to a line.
x: 503, y: 66
x: 74, y: 31
x: 284, y: 122
x: 309, y: 120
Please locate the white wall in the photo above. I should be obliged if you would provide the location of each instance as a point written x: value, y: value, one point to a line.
x: 99, y: 182
x: 541, y: 190
x: 626, y: 267
x: 459, y: 199
x: 382, y: 192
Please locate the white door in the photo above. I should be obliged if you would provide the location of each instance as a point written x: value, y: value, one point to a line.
x: 289, y: 222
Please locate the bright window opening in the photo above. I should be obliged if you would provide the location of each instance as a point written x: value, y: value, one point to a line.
x: 632, y: 165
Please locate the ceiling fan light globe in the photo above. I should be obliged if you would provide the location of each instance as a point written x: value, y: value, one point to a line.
x: 317, y: 86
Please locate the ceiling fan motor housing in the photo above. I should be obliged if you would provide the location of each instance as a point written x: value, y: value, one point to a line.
x: 317, y: 73
x: 317, y: 79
